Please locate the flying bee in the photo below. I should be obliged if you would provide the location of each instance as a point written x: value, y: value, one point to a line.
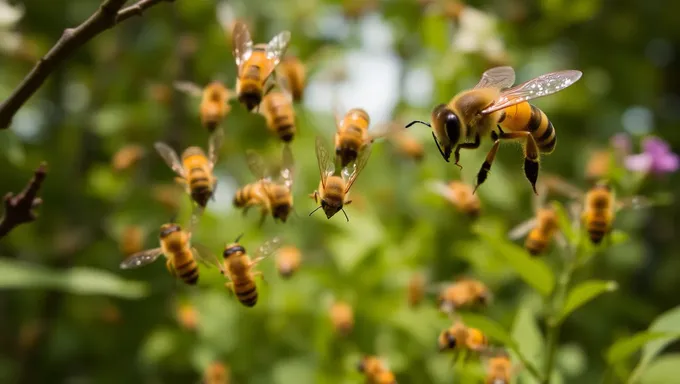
x: 342, y: 318
x: 375, y: 370
x: 494, y: 107
x: 255, y: 63
x: 541, y: 229
x: 292, y: 73
x: 131, y: 240
x: 214, y: 101
x: 333, y: 192
x: 459, y: 194
x: 277, y: 109
x: 458, y: 337
x: 216, y: 373
x: 272, y: 196
x: 352, y: 136
x: 463, y: 293
x: 195, y: 169
x: 288, y: 261
x: 186, y: 315
x: 416, y: 289
x: 127, y: 157
x: 499, y: 369
x: 238, y: 268
x: 181, y: 257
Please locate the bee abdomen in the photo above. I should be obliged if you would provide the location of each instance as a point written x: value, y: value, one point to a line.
x: 535, y: 246
x: 542, y: 130
x: 188, y: 272
x: 246, y: 293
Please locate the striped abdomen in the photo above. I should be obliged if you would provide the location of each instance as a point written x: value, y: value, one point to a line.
x: 280, y: 115
x: 200, y: 185
x: 597, y: 225
x: 334, y: 192
x: 246, y: 291
x: 185, y: 267
x: 527, y: 117
x: 248, y: 195
x: 537, y: 242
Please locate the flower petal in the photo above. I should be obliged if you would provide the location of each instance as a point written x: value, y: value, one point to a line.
x: 655, y: 146
x: 666, y: 164
x: 638, y: 163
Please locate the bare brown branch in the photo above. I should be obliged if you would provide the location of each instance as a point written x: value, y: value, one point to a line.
x: 108, y: 15
x: 19, y: 208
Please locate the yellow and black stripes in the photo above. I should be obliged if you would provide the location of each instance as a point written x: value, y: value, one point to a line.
x: 245, y: 195
x: 200, y: 186
x: 597, y: 228
x: 246, y: 292
x: 529, y: 118
x: 535, y: 244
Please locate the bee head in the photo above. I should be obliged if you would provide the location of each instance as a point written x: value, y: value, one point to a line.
x: 192, y: 151
x: 286, y: 272
x: 168, y: 229
x: 232, y: 249
x: 447, y: 122
x: 329, y: 209
x: 250, y: 96
x: 346, y: 155
x: 446, y: 341
x: 281, y: 211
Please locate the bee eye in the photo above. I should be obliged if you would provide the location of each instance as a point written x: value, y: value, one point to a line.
x: 451, y: 340
x: 452, y: 126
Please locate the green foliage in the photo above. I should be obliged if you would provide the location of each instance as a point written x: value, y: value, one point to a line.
x: 583, y: 293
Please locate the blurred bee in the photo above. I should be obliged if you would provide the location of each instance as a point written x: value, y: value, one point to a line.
x: 599, y: 206
x: 499, y: 369
x: 277, y: 109
x: 195, y: 169
x: 131, y: 240
x: 463, y: 293
x: 238, y: 268
x: 214, y: 101
x: 288, y: 261
x: 541, y: 229
x: 216, y: 373
x: 352, y: 136
x: 255, y: 63
x: 273, y: 196
x: 598, y: 165
x: 459, y: 194
x: 458, y: 337
x: 159, y: 93
x: 416, y: 289
x: 181, y: 257
x: 292, y: 73
x: 342, y: 318
x: 167, y: 195
x: 493, y: 107
x: 127, y: 157
x: 333, y: 192
x: 375, y: 370
x: 186, y: 315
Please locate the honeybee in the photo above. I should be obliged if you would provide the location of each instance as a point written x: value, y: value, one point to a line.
x: 375, y: 370
x: 277, y: 109
x: 458, y: 337
x: 186, y: 315
x: 127, y: 156
x: 598, y: 165
x: 465, y: 292
x: 416, y: 289
x: 255, y: 63
x: 541, y: 229
x: 459, y: 194
x: 131, y: 240
x: 288, y: 261
x: 238, y: 268
x: 292, y: 73
x: 494, y: 107
x: 273, y: 196
x: 195, y: 169
x: 214, y: 101
x: 342, y: 317
x: 499, y: 369
x: 181, y: 257
x: 352, y: 136
x: 333, y: 192
x: 216, y: 373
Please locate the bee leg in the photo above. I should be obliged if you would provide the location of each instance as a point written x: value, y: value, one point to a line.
x: 230, y: 287
x: 261, y: 276
x: 315, y: 196
x: 486, y: 166
x: 474, y: 145
x: 531, y: 154
x: 170, y: 267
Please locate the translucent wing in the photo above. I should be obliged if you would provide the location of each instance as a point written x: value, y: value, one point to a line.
x: 633, y: 202
x: 538, y: 201
x: 441, y: 189
x: 214, y: 145
x: 242, y: 43
x: 287, y: 169
x: 543, y: 85
x: 326, y: 168
x: 558, y: 184
x: 277, y: 47
x: 268, y: 248
x: 189, y: 88
x: 256, y: 164
x: 284, y: 86
x: 170, y: 157
x: 522, y: 229
x: 358, y: 166
x: 205, y: 256
x: 142, y: 258
x: 498, y: 77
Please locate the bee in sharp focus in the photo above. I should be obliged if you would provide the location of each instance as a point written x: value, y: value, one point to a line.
x: 464, y: 293
x: 216, y: 373
x: 352, y: 136
x: 270, y: 195
x: 214, y: 101
x: 499, y: 369
x: 181, y: 257
x: 333, y: 192
x: 292, y: 73
x: 459, y: 194
x: 195, y: 169
x: 541, y: 229
x: 277, y: 109
x: 494, y: 107
x: 458, y: 337
x: 375, y: 370
x: 342, y: 318
x: 238, y: 268
x: 288, y: 261
x: 255, y: 63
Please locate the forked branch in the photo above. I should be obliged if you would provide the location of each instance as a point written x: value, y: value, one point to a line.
x: 19, y: 208
x: 108, y: 15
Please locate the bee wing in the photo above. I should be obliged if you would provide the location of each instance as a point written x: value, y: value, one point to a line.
x: 558, y: 184
x: 214, y: 145
x: 170, y: 156
x: 277, y: 47
x: 189, y: 88
x: 522, y: 229
x: 142, y: 258
x: 633, y: 202
x: 256, y: 164
x: 498, y: 77
x: 325, y: 166
x: 268, y: 248
x: 205, y: 256
x: 538, y: 200
x: 441, y: 189
x: 242, y: 43
x: 359, y: 165
x: 288, y: 165
x: 540, y: 86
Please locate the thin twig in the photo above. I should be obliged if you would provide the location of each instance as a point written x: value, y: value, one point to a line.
x: 107, y: 15
x: 19, y: 208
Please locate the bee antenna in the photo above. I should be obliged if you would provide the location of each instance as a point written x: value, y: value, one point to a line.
x: 343, y: 211
x: 173, y: 218
x: 417, y: 122
x: 440, y: 148
x: 238, y: 238
x: 317, y: 208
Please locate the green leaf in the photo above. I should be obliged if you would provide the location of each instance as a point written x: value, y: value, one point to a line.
x: 565, y: 223
x: 625, y: 347
x: 532, y: 270
x: 525, y: 330
x: 77, y: 280
x: 663, y: 370
x: 666, y: 322
x: 583, y: 293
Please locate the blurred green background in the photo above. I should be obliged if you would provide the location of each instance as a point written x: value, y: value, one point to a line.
x: 69, y: 315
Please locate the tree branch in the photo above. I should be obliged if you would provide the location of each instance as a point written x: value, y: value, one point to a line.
x: 108, y: 15
x: 18, y: 209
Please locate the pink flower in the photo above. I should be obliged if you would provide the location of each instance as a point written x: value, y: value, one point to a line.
x: 656, y: 158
